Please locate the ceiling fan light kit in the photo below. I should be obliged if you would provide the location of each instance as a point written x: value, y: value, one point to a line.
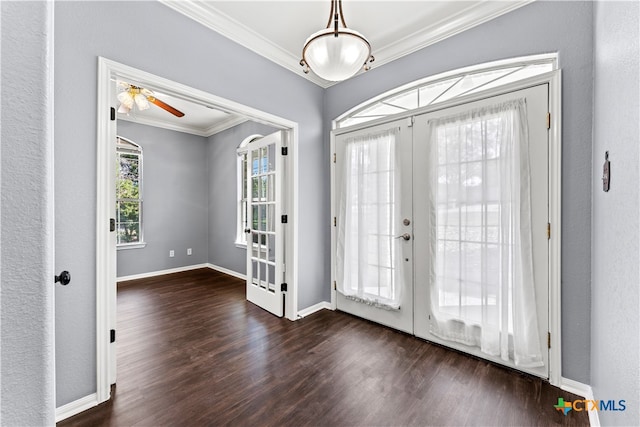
x: 142, y: 98
x: 337, y: 53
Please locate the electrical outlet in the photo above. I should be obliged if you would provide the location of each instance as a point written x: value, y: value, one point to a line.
x: 189, y: 251
x: 172, y: 253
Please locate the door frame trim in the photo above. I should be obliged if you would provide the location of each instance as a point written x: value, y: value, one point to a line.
x: 105, y: 266
x: 554, y: 80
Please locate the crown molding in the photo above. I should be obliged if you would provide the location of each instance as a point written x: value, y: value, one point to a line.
x: 243, y: 35
x: 221, y: 23
x: 211, y: 130
x: 472, y: 16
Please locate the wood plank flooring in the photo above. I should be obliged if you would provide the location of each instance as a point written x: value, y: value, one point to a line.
x: 193, y: 352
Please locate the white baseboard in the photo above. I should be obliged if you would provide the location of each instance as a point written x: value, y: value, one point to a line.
x: 75, y: 407
x: 317, y: 307
x: 582, y: 390
x: 227, y: 271
x: 161, y: 272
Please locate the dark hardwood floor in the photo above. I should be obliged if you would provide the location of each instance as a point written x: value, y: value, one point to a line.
x: 193, y: 352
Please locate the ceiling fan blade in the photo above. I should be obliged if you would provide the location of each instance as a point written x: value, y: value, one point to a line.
x: 164, y: 106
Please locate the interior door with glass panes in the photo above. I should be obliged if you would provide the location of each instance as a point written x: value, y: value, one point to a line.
x: 265, y: 254
x: 372, y: 198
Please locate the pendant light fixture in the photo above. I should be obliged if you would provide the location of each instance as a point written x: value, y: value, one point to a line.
x: 337, y: 53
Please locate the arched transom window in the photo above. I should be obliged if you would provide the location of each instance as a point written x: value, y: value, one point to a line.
x: 446, y: 86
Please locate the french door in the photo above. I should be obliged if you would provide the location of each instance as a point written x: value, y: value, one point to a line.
x: 265, y: 254
x: 474, y: 203
x: 374, y: 224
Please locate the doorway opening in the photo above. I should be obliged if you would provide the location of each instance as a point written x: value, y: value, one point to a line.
x: 109, y: 73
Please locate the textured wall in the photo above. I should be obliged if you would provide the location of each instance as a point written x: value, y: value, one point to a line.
x: 175, y: 199
x: 27, y: 328
x: 540, y: 27
x: 615, y: 364
x: 222, y: 157
x: 151, y: 37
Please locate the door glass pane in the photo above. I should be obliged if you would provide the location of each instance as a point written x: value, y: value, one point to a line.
x: 263, y: 187
x: 254, y: 272
x: 271, y: 193
x: 264, y: 159
x: 263, y: 217
x: 271, y: 277
x: 255, y: 188
x: 272, y: 158
x: 271, y: 243
x: 263, y: 275
x: 271, y: 220
x: 254, y: 217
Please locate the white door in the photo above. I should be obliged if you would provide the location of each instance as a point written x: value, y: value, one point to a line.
x: 477, y: 232
x: 372, y: 195
x: 265, y: 252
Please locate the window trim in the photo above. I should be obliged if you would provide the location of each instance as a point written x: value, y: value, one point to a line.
x: 242, y: 150
x: 122, y: 148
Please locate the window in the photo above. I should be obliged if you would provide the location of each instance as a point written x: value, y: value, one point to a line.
x: 447, y: 86
x: 241, y: 238
x: 128, y: 193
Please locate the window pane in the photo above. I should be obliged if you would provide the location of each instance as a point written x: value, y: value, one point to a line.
x: 127, y: 186
x: 128, y: 222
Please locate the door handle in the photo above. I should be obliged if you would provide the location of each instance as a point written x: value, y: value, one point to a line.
x: 64, y: 278
x: 405, y: 236
x: 247, y: 230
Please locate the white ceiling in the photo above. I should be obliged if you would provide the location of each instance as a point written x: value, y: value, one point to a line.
x: 198, y: 119
x: 277, y: 30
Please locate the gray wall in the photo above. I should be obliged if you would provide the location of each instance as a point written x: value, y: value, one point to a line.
x: 222, y: 157
x: 26, y: 214
x: 174, y: 191
x: 540, y: 27
x: 177, y: 48
x: 615, y: 278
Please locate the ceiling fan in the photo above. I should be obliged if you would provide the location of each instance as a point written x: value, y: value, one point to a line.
x: 141, y: 97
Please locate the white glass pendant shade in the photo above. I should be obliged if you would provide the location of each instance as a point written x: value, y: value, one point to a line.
x: 141, y: 101
x: 126, y: 99
x: 336, y: 58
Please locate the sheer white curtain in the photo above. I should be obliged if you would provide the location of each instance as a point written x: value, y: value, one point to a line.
x: 368, y: 254
x: 482, y: 285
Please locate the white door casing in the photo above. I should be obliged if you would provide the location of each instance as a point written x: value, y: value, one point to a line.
x: 108, y: 72
x: 265, y: 254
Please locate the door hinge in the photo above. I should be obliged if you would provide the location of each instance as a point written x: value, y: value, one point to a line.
x: 335, y: 286
x: 113, y: 114
x: 334, y: 157
x: 284, y: 219
x: 283, y: 287
x: 112, y: 224
x: 410, y: 121
x: 548, y: 120
x: 285, y: 151
x: 335, y: 221
x: 113, y: 336
x: 548, y: 339
x: 548, y: 231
